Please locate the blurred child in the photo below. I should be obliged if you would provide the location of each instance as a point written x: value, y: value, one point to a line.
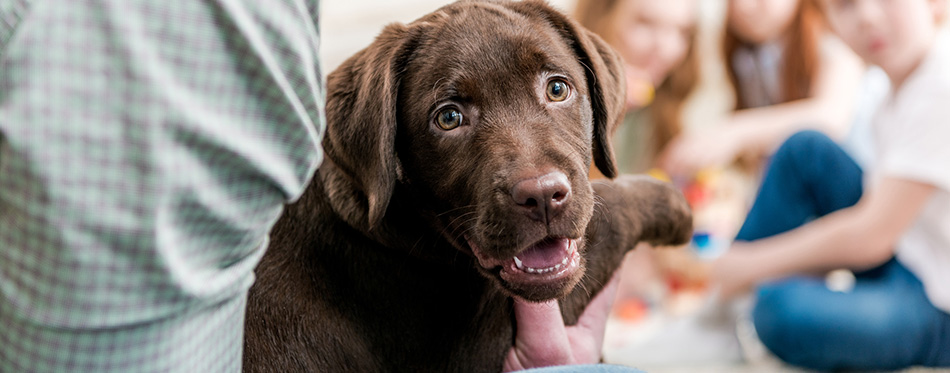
x: 787, y: 74
x: 813, y: 213
x: 657, y: 42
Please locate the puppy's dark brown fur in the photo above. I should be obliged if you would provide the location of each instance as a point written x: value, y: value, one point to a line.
x: 399, y: 255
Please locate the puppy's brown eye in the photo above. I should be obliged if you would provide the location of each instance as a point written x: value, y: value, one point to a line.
x: 558, y: 90
x: 449, y: 118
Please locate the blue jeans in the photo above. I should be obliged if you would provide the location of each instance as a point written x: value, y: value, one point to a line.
x: 885, y: 322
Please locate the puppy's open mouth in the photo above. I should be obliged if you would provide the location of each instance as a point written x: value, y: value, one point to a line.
x: 551, y: 262
x: 549, y: 258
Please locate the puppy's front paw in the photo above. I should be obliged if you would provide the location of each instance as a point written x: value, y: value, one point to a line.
x: 653, y: 210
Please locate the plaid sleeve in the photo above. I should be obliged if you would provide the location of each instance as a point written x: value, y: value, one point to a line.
x: 146, y: 149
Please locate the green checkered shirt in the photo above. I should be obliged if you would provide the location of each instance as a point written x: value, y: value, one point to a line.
x: 146, y: 148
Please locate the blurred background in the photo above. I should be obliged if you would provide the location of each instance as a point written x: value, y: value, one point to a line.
x: 666, y: 318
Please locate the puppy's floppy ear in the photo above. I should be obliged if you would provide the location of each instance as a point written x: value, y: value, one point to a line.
x: 605, y: 77
x: 360, y: 168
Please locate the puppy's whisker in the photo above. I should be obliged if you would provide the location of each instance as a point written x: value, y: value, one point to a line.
x: 435, y: 86
x: 467, y: 223
x: 583, y: 285
x: 462, y: 216
x: 468, y: 219
x: 591, y: 71
x: 600, y: 206
x: 414, y: 245
x: 466, y: 226
x: 473, y: 207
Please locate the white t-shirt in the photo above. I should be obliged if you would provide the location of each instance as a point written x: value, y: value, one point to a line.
x: 912, y: 137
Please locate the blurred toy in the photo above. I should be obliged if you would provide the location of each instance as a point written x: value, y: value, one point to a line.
x: 659, y: 174
x: 640, y: 90
x: 631, y: 310
x: 698, y: 189
x: 706, y: 245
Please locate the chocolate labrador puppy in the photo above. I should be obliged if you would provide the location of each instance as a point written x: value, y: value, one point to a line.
x: 455, y: 178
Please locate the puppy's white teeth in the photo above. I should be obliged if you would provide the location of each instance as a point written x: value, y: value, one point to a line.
x: 570, y: 260
x: 538, y: 270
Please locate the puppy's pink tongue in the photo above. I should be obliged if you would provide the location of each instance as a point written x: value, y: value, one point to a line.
x: 545, y: 254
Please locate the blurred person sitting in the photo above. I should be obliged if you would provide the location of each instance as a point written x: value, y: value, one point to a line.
x: 787, y: 73
x: 657, y: 41
x: 817, y: 211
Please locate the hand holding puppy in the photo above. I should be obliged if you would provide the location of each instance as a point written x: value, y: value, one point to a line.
x: 542, y: 339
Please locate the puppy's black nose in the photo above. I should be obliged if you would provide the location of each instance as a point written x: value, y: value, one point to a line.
x: 542, y: 198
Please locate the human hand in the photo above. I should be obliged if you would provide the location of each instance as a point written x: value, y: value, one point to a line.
x: 688, y: 154
x: 733, y: 272
x: 542, y: 339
